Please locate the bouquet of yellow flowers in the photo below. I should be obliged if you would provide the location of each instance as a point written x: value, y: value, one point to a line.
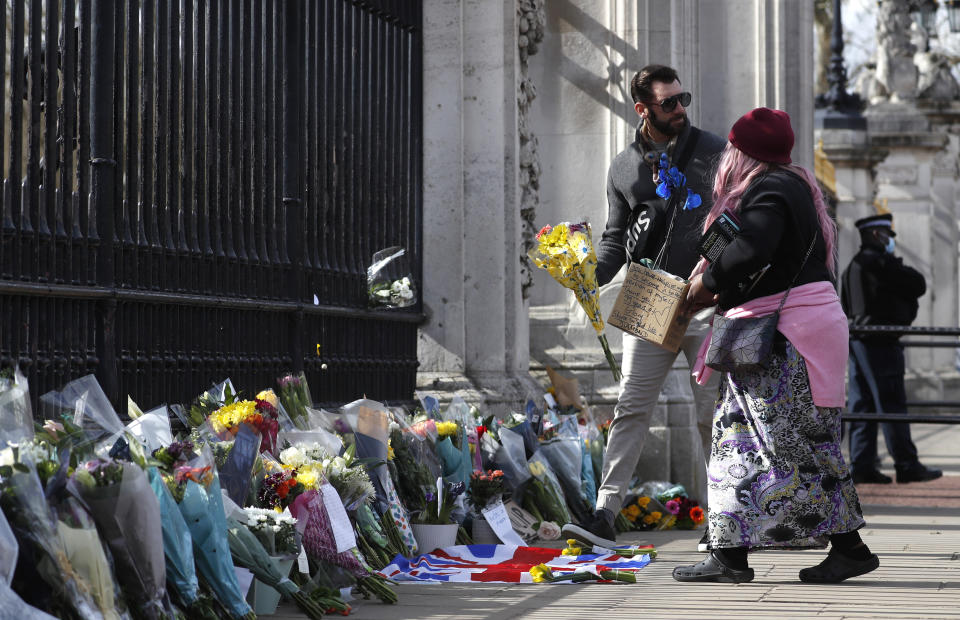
x: 566, y: 252
x: 646, y: 513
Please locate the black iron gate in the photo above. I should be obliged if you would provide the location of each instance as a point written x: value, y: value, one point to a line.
x: 193, y: 189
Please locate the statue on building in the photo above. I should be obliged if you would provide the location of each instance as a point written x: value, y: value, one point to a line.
x: 935, y: 81
x: 896, y: 70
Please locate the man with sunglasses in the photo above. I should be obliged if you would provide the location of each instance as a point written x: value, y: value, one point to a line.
x: 637, y: 223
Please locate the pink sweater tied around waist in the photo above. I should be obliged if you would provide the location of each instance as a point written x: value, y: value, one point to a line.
x: 813, y: 321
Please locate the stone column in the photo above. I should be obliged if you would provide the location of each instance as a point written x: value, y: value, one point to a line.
x: 475, y: 339
x: 851, y: 162
x: 945, y: 239
x: 904, y: 181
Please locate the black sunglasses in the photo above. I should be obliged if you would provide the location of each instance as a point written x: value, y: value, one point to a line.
x: 670, y: 103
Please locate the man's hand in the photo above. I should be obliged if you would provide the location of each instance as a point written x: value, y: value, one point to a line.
x: 698, y: 297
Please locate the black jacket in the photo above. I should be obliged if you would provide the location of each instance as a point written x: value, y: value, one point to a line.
x: 778, y: 221
x: 878, y: 289
x: 630, y: 183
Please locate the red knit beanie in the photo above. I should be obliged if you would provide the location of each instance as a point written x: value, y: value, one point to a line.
x: 764, y: 134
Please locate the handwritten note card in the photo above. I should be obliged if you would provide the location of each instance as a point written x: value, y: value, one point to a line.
x: 647, y: 306
x: 498, y: 519
x: 339, y: 521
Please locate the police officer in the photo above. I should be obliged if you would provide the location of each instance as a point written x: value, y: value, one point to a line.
x: 878, y: 289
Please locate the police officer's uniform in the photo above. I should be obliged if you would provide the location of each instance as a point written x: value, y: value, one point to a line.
x: 878, y: 289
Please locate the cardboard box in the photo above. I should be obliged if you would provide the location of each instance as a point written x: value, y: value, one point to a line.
x: 648, y: 304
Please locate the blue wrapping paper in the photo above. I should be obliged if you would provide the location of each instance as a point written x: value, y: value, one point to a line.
x: 177, y: 542
x: 202, y: 509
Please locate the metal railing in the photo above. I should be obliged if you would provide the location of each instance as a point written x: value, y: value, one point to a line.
x: 192, y: 189
x: 923, y: 418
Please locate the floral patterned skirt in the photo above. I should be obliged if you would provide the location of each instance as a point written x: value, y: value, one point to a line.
x: 777, y: 477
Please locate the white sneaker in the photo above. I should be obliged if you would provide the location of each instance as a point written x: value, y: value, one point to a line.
x: 582, y: 534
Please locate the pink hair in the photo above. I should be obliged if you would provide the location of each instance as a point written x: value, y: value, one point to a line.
x: 737, y: 171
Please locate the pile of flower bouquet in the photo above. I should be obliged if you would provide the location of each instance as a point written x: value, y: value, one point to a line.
x: 670, y: 508
x: 113, y: 515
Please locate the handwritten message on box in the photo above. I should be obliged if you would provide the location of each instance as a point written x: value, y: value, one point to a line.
x: 648, y: 304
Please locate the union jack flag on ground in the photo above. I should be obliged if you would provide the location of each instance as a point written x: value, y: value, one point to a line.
x: 503, y: 564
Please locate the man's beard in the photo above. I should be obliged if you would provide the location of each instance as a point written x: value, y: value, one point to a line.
x: 666, y: 127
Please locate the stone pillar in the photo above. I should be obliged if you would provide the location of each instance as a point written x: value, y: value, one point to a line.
x: 904, y: 181
x: 851, y: 171
x: 758, y: 53
x: 476, y: 334
x: 945, y: 240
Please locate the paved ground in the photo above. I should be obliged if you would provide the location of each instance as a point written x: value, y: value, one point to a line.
x: 915, y: 529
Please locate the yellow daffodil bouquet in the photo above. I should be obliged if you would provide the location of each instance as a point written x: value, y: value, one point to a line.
x: 566, y: 252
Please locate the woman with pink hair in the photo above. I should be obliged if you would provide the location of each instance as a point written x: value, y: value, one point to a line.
x: 777, y: 478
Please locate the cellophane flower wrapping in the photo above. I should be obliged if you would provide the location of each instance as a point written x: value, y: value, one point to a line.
x: 283, y: 417
x: 588, y: 477
x: 454, y: 450
x: 519, y: 424
x: 205, y: 404
x: 318, y: 537
x: 177, y: 542
x: 564, y: 453
x: 92, y: 412
x: 543, y: 491
x: 128, y: 517
x: 10, y: 602
x: 248, y: 552
x: 511, y: 458
x: 294, y: 394
x: 202, y: 510
x: 390, y: 281
x: 260, y: 415
x: 485, y: 486
x: 16, y: 415
x: 370, y: 422
x: 43, y: 568
x: 236, y: 471
x: 152, y: 429
x: 414, y: 475
x: 84, y: 549
x: 566, y: 252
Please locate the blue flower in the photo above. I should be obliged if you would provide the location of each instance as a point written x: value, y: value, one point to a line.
x: 693, y: 201
x: 663, y: 190
x: 430, y: 496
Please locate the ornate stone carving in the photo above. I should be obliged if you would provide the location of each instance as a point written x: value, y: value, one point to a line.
x: 896, y: 175
x: 895, y: 50
x: 945, y: 162
x: 531, y: 22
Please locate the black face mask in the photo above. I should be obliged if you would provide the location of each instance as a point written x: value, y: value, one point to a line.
x: 665, y: 127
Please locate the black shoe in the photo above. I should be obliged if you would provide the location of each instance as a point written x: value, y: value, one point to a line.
x: 598, y: 530
x: 712, y: 569
x: 704, y: 545
x: 917, y: 473
x: 872, y: 476
x: 838, y: 567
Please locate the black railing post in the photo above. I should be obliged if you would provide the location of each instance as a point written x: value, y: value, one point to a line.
x: 103, y: 182
x: 292, y: 165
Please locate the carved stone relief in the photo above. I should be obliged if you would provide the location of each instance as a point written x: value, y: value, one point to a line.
x: 531, y: 23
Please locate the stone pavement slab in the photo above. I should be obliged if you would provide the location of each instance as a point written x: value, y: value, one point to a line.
x: 919, y: 577
x: 915, y: 529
